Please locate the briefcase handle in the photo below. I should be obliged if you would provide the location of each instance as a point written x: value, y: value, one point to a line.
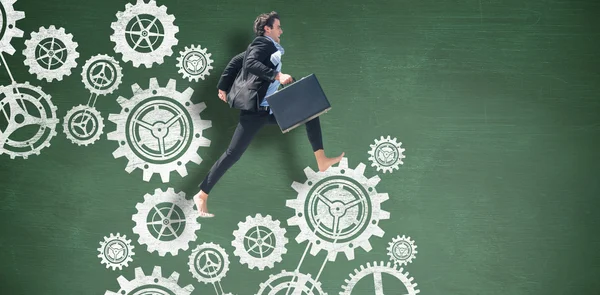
x: 293, y: 80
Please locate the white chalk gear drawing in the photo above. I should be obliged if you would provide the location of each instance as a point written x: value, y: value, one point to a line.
x: 51, y: 53
x: 83, y: 125
x: 154, y: 284
x: 31, y: 120
x: 402, y: 250
x: 8, y: 29
x: 377, y: 269
x: 292, y: 283
x: 159, y: 130
x: 116, y: 251
x: 338, y: 210
x: 101, y: 74
x: 259, y: 242
x: 208, y: 263
x: 194, y: 63
x: 386, y: 154
x: 165, y: 222
x: 144, y: 33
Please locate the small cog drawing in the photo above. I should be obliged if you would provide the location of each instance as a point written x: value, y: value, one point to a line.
x: 402, y: 250
x: 208, y: 263
x: 165, y: 222
x: 154, y: 284
x: 144, y: 33
x: 290, y: 283
x: 83, y: 125
x: 30, y: 119
x: 259, y: 242
x: 338, y: 210
x: 377, y: 269
x: 51, y: 53
x: 386, y: 154
x: 116, y: 251
x: 8, y: 30
x: 159, y: 130
x: 101, y: 74
x: 194, y: 63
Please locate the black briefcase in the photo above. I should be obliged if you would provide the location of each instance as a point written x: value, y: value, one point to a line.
x: 298, y: 103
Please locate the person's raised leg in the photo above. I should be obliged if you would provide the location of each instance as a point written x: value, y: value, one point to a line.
x: 313, y: 130
x: 248, y: 126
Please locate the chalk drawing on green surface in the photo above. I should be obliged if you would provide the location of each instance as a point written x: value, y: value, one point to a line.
x: 144, y: 33
x: 338, y: 210
x: 116, y: 251
x: 286, y: 281
x: 194, y: 63
x: 165, y: 222
x: 151, y: 284
x: 101, y: 74
x: 402, y: 250
x: 28, y: 120
x: 159, y: 130
x: 83, y: 125
x: 208, y: 263
x: 259, y: 242
x: 8, y: 29
x: 386, y: 154
x: 377, y: 270
x: 51, y: 53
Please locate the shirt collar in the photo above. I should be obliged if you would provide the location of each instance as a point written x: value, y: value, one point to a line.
x: 279, y: 47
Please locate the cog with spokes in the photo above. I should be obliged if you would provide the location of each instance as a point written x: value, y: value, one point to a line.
x: 159, y: 130
x: 208, y: 263
x: 116, y: 251
x: 402, y: 250
x: 194, y: 63
x: 338, y: 210
x: 259, y: 242
x: 386, y: 154
x: 293, y: 283
x: 8, y: 29
x: 83, y: 125
x: 377, y: 269
x: 154, y: 284
x: 165, y: 222
x: 51, y: 53
x: 144, y: 33
x: 101, y: 74
x: 30, y: 120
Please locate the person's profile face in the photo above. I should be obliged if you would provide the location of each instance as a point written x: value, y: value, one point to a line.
x: 274, y: 32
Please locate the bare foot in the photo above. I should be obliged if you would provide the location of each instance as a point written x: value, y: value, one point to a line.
x: 200, y: 199
x: 324, y: 163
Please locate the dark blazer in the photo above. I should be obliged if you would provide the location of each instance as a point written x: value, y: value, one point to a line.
x: 246, y: 81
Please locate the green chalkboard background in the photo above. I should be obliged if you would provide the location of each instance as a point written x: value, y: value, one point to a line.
x: 495, y: 102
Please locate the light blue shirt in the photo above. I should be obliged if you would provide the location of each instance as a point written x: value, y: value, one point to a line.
x: 276, y: 60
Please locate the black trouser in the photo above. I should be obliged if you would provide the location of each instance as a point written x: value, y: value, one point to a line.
x: 248, y: 126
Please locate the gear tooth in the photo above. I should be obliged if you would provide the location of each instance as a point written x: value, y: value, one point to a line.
x: 174, y: 276
x: 343, y: 163
x: 172, y: 85
x: 297, y: 186
x: 154, y: 83
x: 360, y: 169
x: 311, y: 174
x: 135, y: 88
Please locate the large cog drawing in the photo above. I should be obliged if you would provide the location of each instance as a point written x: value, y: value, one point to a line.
x: 144, y: 33
x: 376, y: 270
x: 116, y: 251
x: 293, y: 283
x: 154, y: 284
x: 402, y: 250
x: 101, y: 74
x: 208, y: 263
x: 31, y: 120
x: 338, y: 210
x: 194, y: 63
x: 83, y: 125
x: 51, y: 53
x: 159, y: 130
x: 386, y: 154
x: 259, y: 242
x: 165, y: 222
x: 8, y: 28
